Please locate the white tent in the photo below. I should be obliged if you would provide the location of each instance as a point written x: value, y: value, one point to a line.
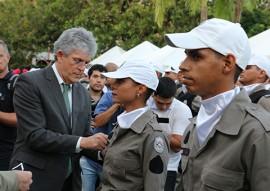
x: 108, y: 56
x: 138, y: 52
x: 260, y: 43
x: 168, y: 56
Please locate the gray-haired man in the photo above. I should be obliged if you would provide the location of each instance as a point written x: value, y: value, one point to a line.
x: 53, y: 113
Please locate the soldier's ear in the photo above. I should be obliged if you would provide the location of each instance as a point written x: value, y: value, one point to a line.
x: 229, y: 63
x: 142, y: 89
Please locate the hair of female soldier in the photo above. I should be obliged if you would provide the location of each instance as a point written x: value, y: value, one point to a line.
x: 76, y: 39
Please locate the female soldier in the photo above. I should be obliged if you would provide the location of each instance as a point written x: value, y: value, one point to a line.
x: 137, y: 154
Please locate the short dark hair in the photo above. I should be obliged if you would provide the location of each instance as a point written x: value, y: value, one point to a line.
x: 166, y: 88
x: 97, y: 67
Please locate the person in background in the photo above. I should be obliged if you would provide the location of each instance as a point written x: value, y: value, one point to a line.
x: 96, y: 84
x: 111, y: 67
x: 8, y: 120
x: 172, y: 73
x: 226, y: 146
x: 191, y: 100
x: 54, y: 112
x: 253, y: 78
x: 159, y: 69
x: 173, y: 116
x: 137, y: 153
x: 15, y: 180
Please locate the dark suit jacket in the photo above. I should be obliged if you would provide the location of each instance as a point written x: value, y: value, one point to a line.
x: 46, y: 141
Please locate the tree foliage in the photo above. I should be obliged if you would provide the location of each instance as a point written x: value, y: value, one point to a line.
x: 30, y: 26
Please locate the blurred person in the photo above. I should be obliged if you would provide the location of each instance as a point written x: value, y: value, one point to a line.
x: 173, y: 117
x: 253, y: 78
x: 226, y: 146
x: 84, y: 82
x: 137, y: 153
x: 8, y: 120
x: 54, y: 113
x: 15, y: 180
x: 159, y: 69
x: 267, y: 84
x: 111, y: 67
x: 172, y: 73
x: 192, y: 101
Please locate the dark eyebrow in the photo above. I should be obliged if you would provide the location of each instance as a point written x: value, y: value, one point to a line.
x: 192, y: 51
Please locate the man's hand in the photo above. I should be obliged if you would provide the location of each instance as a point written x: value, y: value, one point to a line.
x: 95, y: 142
x: 25, y: 180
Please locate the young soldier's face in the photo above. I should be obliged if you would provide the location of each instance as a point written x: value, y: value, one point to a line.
x: 203, y: 72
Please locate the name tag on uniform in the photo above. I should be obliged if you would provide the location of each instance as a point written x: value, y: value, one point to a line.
x: 162, y: 120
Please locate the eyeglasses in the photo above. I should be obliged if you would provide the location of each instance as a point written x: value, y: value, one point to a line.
x: 79, y: 62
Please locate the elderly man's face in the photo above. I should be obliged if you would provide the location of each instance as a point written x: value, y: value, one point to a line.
x: 4, y: 59
x: 71, y: 66
x: 203, y: 72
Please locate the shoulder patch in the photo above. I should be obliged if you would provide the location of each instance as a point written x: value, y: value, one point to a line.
x: 156, y: 165
x: 159, y: 144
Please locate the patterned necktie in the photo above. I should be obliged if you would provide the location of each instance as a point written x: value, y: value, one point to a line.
x: 66, y: 88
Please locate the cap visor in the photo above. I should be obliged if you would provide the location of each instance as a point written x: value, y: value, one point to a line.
x: 116, y: 75
x: 184, y: 40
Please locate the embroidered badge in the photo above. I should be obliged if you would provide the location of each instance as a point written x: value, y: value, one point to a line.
x: 159, y: 145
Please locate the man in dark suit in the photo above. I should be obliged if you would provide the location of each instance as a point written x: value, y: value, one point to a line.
x: 53, y: 112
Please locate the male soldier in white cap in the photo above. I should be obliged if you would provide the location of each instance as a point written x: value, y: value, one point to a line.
x: 226, y: 146
x: 253, y: 79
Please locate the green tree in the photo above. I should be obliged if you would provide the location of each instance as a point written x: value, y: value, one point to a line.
x: 33, y: 25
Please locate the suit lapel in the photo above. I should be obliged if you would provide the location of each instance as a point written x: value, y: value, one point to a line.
x: 55, y: 89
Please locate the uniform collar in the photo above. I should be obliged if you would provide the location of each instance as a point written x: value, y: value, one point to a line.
x: 125, y: 120
x: 147, y: 117
x: 234, y: 114
x: 250, y: 88
x: 140, y: 123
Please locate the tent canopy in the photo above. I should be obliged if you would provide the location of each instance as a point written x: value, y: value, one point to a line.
x: 138, y: 52
x: 108, y: 56
x: 167, y: 56
x: 260, y: 43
